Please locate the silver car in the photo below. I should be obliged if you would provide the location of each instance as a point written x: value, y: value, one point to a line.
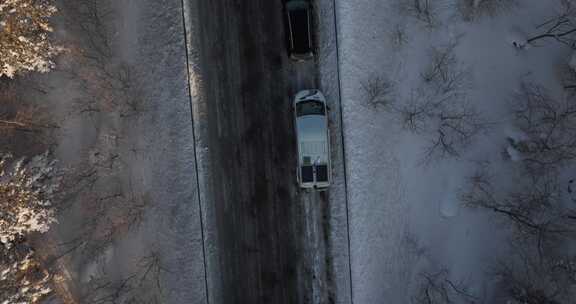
x: 312, y: 136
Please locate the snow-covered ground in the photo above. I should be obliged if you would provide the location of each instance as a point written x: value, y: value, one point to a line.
x: 337, y: 222
x: 404, y: 210
x: 139, y: 148
x: 406, y: 216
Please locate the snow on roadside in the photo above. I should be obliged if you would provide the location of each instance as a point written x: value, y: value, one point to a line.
x: 168, y: 171
x: 337, y: 225
x: 155, y: 148
x: 406, y: 217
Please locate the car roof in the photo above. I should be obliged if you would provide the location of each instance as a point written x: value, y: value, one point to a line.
x: 312, y: 137
x: 312, y: 127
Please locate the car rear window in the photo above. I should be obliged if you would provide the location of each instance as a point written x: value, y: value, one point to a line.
x: 322, y: 173
x: 307, y: 174
x: 310, y: 107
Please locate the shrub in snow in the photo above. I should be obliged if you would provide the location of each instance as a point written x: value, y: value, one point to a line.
x: 22, y: 279
x: 398, y: 35
x: 26, y: 193
x: 24, y: 37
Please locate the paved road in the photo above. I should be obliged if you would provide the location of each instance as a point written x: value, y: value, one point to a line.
x: 268, y: 238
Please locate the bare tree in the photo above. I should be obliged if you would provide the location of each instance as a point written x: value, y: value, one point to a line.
x: 449, y: 124
x: 438, y: 288
x: 457, y: 126
x: 151, y: 270
x: 418, y: 111
x: 542, y: 225
x: 110, y: 86
x: 549, y: 126
x: 109, y: 208
x: 144, y: 285
x: 536, y: 207
x: 426, y: 11
x: 25, y: 127
x: 110, y: 217
x: 444, y: 74
x: 378, y: 91
x: 103, y: 290
x: 525, y: 277
x: 561, y: 28
x: 438, y: 109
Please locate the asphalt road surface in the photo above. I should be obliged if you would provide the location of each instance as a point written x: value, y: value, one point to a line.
x: 268, y: 237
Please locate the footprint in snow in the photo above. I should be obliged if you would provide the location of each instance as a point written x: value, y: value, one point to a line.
x: 449, y: 204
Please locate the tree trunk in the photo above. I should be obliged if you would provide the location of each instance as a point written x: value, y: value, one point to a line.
x: 17, y: 126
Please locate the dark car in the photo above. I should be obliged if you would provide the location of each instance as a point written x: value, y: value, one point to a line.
x: 299, y: 18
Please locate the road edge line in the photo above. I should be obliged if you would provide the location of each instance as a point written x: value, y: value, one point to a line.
x: 186, y: 47
x: 336, y: 32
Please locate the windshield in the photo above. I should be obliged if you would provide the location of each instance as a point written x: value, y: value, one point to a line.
x: 310, y: 107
